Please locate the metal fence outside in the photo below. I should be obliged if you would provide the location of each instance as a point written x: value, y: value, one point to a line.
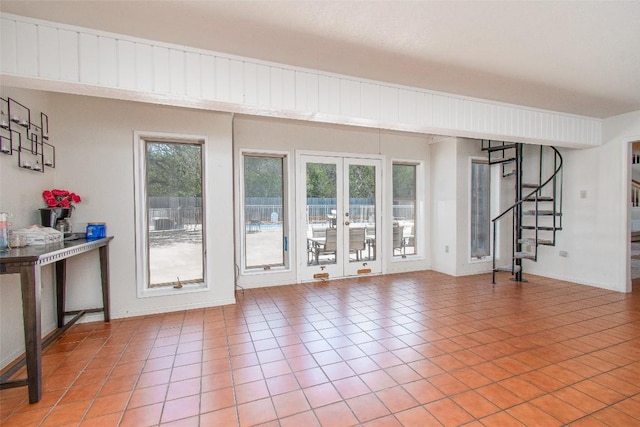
x: 403, y: 212
x: 170, y: 213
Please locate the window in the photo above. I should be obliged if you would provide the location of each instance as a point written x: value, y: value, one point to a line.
x: 404, y: 210
x: 170, y: 212
x: 480, y: 221
x: 265, y: 243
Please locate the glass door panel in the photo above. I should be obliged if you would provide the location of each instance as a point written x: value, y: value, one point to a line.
x: 363, y: 195
x: 404, y: 209
x: 321, y: 213
x: 362, y: 212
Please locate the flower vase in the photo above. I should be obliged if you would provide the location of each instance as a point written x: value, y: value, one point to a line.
x: 49, y: 216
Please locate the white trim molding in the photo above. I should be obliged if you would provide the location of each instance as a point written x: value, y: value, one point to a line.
x: 56, y: 57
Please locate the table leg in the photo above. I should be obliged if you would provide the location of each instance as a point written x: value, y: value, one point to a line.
x: 61, y: 285
x: 30, y: 285
x: 104, y: 276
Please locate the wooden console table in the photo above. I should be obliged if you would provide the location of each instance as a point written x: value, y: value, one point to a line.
x: 27, y: 262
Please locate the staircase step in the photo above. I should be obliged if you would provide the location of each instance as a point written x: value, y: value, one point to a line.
x: 523, y: 255
x: 509, y: 268
x: 499, y: 147
x: 501, y: 160
x: 541, y: 228
x: 530, y: 185
x: 540, y: 199
x: 542, y: 212
x: 530, y: 241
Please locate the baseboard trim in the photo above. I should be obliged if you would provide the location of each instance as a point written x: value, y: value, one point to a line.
x: 593, y: 284
x: 98, y: 317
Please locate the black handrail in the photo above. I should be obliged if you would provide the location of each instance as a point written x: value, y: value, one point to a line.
x: 558, y: 169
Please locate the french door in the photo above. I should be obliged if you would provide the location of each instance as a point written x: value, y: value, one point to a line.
x: 339, y: 216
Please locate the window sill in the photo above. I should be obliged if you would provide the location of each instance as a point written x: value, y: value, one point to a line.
x: 480, y: 260
x: 258, y: 271
x: 171, y: 291
x: 416, y: 257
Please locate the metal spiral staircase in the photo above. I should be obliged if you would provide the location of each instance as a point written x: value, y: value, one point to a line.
x: 536, y: 213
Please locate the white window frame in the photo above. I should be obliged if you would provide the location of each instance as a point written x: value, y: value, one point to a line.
x: 140, y: 138
x: 286, y: 223
x: 495, y: 172
x: 420, y: 214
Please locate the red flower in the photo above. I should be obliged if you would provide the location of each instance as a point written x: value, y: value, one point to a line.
x: 60, y: 193
x: 60, y: 198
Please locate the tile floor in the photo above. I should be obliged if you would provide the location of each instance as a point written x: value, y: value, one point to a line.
x: 409, y: 349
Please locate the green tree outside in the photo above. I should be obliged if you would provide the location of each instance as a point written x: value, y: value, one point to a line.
x: 321, y: 180
x: 174, y: 170
x: 404, y: 182
x: 262, y: 176
x: 362, y: 181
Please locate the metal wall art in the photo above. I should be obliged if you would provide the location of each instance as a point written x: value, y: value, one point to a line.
x: 19, y: 134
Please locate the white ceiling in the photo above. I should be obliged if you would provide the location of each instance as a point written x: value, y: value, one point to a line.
x: 570, y: 56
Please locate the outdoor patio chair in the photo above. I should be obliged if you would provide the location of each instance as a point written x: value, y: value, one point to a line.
x: 408, y: 237
x: 253, y: 226
x: 318, y: 232
x: 398, y: 239
x: 330, y: 245
x: 357, y: 238
x: 371, y: 240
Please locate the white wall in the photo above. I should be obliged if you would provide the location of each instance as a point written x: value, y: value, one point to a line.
x: 20, y: 196
x: 444, y: 212
x: 596, y: 228
x: 97, y: 160
x: 287, y: 136
x: 94, y: 156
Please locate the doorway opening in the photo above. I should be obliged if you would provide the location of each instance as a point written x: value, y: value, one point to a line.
x: 339, y: 224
